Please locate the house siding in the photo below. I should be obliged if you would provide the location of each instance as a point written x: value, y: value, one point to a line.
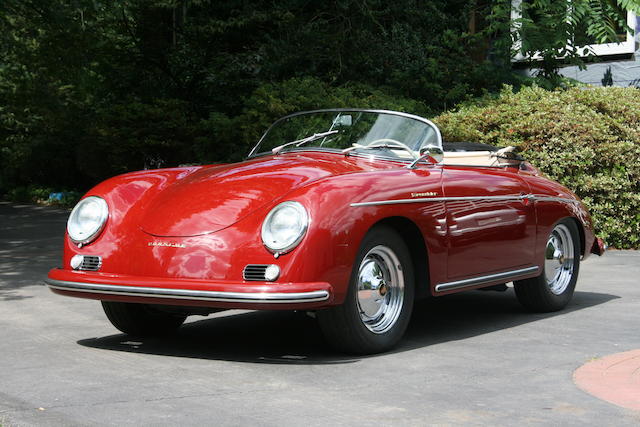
x: 624, y: 72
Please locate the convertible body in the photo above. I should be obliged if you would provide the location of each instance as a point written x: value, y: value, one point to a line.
x: 194, y: 237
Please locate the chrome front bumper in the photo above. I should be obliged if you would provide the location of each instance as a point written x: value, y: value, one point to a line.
x: 189, y: 294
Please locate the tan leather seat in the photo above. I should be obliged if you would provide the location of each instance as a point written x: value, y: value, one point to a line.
x: 480, y: 158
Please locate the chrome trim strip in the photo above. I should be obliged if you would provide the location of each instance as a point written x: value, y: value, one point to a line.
x: 531, y: 197
x: 543, y: 198
x: 457, y: 165
x: 458, y: 284
x: 439, y: 199
x: 188, y: 294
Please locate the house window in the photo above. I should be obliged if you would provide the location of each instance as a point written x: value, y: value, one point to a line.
x: 625, y: 43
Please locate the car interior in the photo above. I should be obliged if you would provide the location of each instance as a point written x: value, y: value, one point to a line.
x: 478, y: 154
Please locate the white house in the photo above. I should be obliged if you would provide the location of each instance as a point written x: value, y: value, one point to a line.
x: 610, y: 64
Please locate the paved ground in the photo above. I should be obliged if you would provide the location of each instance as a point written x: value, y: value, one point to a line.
x: 612, y: 378
x: 468, y: 359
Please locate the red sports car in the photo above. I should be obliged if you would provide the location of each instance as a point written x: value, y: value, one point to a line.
x: 351, y: 214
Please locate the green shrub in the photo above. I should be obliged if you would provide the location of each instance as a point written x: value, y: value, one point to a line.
x: 586, y: 139
x: 43, y: 196
x: 29, y: 194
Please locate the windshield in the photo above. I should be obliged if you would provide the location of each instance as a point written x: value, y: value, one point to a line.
x: 381, y: 133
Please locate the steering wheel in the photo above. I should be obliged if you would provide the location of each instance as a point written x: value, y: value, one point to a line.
x: 394, y: 142
x: 382, y: 140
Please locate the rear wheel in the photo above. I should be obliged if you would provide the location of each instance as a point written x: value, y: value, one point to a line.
x: 379, y: 301
x: 552, y: 290
x: 141, y: 319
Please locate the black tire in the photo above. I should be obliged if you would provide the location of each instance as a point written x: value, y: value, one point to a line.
x: 542, y: 294
x: 141, y: 320
x: 344, y: 326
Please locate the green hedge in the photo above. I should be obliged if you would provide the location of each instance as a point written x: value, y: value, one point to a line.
x: 586, y: 138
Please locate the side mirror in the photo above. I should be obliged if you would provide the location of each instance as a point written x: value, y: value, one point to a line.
x: 433, y: 151
x: 428, y: 151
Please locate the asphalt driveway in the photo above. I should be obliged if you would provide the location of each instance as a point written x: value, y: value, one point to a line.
x: 467, y: 359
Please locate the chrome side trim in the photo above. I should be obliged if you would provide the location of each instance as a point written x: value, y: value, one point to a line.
x: 459, y: 284
x: 531, y: 197
x: 439, y: 199
x: 187, y: 294
x: 543, y: 198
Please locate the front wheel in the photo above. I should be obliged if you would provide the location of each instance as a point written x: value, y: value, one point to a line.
x: 552, y: 290
x: 379, y: 300
x: 141, y: 320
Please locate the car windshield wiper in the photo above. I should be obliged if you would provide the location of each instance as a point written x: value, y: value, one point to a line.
x: 299, y: 142
x: 393, y: 145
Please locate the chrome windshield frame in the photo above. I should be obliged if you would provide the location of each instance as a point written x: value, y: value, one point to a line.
x: 253, y: 153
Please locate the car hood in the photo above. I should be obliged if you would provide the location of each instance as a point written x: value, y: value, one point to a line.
x: 216, y: 197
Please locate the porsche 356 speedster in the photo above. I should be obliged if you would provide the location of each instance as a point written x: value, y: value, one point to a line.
x: 348, y: 214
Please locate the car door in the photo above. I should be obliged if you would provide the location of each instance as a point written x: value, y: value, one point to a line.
x: 491, y: 223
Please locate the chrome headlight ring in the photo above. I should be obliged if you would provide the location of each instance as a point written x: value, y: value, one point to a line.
x: 284, y: 227
x: 87, y: 220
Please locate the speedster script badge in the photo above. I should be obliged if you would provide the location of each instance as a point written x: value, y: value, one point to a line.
x: 168, y: 244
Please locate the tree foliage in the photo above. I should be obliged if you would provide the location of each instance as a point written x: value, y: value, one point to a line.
x: 551, y: 33
x: 91, y: 88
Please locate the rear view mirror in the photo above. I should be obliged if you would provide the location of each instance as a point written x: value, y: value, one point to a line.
x: 343, y: 120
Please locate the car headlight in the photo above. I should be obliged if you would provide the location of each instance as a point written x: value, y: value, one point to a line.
x: 284, y: 227
x: 87, y: 219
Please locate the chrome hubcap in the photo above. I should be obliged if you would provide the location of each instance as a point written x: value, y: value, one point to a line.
x: 380, y: 289
x: 558, y: 264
